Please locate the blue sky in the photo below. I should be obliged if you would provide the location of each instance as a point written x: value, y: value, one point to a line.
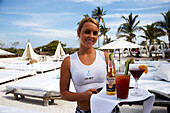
x: 43, y: 21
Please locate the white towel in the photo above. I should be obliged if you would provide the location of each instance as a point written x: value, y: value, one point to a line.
x: 103, y: 103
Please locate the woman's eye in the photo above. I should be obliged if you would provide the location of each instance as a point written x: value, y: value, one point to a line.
x: 87, y: 31
x: 95, y: 33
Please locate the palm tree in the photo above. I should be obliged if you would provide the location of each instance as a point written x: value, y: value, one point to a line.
x: 97, y: 14
x: 151, y: 33
x: 103, y: 31
x: 165, y: 25
x: 86, y: 15
x: 128, y: 28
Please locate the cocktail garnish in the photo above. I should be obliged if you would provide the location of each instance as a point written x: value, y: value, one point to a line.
x: 127, y: 66
x: 110, y: 56
x: 145, y: 67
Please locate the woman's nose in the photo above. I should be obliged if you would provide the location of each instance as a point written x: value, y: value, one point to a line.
x: 91, y: 34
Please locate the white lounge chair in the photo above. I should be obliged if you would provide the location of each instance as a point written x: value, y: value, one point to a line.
x: 8, y: 75
x: 43, y: 84
x: 38, y: 67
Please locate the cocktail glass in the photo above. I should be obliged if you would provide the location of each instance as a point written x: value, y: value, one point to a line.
x: 136, y: 73
x: 122, y: 85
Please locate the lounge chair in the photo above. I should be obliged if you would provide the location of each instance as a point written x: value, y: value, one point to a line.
x: 45, y: 85
x: 38, y: 67
x: 8, y: 75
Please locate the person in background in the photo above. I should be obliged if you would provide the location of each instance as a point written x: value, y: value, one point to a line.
x: 137, y: 53
x: 87, y: 68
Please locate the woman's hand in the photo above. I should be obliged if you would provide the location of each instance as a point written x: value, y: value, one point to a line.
x: 87, y: 94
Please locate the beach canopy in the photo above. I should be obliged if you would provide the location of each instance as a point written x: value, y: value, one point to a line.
x: 29, y: 52
x: 59, y: 53
x: 5, y: 53
x: 120, y: 44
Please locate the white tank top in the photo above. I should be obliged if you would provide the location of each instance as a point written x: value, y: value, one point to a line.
x: 85, y: 77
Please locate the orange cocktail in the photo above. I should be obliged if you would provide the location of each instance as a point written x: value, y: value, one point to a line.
x: 122, y: 85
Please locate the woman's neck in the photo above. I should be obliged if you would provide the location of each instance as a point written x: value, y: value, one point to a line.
x: 86, y: 50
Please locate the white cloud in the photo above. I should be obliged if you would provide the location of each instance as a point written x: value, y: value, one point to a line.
x: 106, y: 2
x: 140, y: 9
x: 97, y: 2
x: 119, y: 15
x: 50, y: 33
x: 37, y: 14
x: 27, y: 24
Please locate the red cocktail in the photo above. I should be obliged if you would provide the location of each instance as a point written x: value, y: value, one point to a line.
x: 122, y: 85
x: 136, y: 73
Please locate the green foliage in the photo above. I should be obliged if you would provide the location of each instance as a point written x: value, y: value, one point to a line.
x: 51, y: 47
x: 17, y: 52
x: 128, y: 28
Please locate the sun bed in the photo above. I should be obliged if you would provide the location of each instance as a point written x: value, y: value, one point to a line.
x: 8, y: 75
x: 42, y: 83
x: 7, y: 109
x: 38, y: 67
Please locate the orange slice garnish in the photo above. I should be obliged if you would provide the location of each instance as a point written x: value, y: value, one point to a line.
x: 146, y: 68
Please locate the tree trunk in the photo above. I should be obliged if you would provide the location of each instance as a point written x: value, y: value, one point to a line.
x: 98, y: 42
x: 150, y: 54
x: 169, y: 41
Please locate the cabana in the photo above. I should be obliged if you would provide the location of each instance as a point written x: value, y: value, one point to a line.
x: 158, y: 49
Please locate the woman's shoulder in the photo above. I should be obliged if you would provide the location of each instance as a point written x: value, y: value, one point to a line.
x: 66, y: 60
x: 104, y: 53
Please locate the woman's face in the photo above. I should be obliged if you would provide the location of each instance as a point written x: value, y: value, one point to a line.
x: 88, y: 34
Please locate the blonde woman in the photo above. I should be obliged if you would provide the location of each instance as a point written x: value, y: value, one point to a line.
x: 87, y: 67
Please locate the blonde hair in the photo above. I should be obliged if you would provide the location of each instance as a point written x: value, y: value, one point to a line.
x: 87, y: 19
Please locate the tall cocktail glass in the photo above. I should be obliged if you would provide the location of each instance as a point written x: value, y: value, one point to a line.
x: 122, y: 85
x: 136, y: 73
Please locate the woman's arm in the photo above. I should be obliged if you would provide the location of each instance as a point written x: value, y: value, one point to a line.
x: 65, y: 77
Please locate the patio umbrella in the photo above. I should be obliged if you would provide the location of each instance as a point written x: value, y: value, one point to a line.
x: 5, y: 53
x: 120, y: 44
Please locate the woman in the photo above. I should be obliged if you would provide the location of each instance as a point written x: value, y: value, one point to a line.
x: 87, y: 67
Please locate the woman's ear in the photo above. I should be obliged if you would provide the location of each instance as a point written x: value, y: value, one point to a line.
x: 78, y: 33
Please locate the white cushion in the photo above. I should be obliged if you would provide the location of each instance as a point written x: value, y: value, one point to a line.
x: 163, y: 72
x: 157, y: 63
x: 2, y: 64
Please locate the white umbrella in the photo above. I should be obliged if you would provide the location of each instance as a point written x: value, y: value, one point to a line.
x: 29, y: 52
x: 59, y: 51
x: 120, y: 44
x: 3, y: 52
